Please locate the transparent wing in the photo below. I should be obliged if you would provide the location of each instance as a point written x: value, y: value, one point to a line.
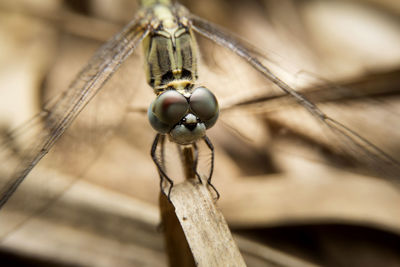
x: 59, y: 114
x: 346, y: 140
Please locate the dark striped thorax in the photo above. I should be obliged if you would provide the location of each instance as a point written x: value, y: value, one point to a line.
x: 170, y: 50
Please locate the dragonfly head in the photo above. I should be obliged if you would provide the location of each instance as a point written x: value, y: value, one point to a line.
x: 185, y: 119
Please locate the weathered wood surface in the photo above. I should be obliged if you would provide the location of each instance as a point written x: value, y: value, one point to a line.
x: 206, y: 231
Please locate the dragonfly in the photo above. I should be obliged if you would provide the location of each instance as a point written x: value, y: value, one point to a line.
x: 183, y: 110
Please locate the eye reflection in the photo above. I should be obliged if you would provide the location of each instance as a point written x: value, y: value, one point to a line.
x: 170, y: 107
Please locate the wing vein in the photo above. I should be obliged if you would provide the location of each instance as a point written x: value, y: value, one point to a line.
x: 85, y: 86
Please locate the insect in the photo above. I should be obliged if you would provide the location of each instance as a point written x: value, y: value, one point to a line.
x: 182, y: 109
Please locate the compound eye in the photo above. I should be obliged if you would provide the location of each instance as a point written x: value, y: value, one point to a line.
x: 204, y: 104
x: 170, y: 107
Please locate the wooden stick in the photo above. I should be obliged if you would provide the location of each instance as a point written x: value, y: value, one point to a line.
x: 196, y: 233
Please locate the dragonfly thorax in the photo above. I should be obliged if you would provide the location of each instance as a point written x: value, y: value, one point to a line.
x: 170, y: 51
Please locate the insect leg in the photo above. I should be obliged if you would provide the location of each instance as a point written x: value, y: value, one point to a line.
x: 160, y: 139
x: 211, y: 147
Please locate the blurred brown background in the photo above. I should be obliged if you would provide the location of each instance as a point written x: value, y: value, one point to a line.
x: 93, y: 200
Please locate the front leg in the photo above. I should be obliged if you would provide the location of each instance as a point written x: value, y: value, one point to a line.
x: 160, y: 139
x: 211, y: 147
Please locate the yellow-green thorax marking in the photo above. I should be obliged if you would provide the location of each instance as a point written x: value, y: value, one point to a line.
x: 170, y: 48
x: 150, y: 3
